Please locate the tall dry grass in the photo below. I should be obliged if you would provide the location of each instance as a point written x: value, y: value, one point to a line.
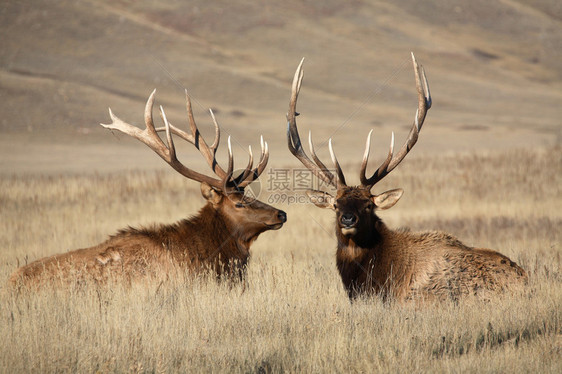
x: 294, y: 315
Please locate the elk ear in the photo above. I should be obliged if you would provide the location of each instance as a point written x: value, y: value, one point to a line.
x: 210, y: 194
x: 387, y: 199
x: 321, y: 199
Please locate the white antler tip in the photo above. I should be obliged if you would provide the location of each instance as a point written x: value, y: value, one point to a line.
x: 332, y: 154
x: 163, y: 115
x: 368, y: 144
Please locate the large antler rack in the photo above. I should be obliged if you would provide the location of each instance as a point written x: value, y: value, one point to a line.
x: 317, y: 167
x: 391, y: 161
x: 167, y: 151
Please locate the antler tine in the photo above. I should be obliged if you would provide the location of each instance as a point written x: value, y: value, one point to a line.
x: 247, y: 170
x: 148, y: 114
x: 424, y: 103
x: 258, y: 170
x: 293, y: 138
x: 197, y: 140
x: 171, y: 147
x: 315, y: 158
x: 227, y: 181
x: 150, y: 137
x: 217, y: 140
x: 150, y: 124
x: 292, y: 132
x: 200, y: 144
x: 377, y: 174
x: 249, y: 175
x: 362, y: 176
x: 230, y: 159
x: 341, y: 178
x: 427, y: 94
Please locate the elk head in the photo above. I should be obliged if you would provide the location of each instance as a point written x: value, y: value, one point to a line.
x: 355, y: 206
x: 224, y: 194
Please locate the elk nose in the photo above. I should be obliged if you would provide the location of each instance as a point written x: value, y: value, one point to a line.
x: 282, y: 216
x: 348, y: 219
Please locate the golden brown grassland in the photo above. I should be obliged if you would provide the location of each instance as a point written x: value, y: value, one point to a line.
x: 294, y: 315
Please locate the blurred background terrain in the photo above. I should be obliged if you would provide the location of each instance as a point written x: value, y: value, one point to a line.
x: 494, y: 68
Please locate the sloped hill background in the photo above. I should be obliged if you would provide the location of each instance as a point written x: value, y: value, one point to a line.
x: 494, y: 69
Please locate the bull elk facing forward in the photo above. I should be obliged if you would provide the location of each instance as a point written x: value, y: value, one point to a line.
x: 217, y: 239
x: 373, y: 259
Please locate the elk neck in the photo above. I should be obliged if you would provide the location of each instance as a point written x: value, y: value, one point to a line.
x: 206, y: 236
x: 360, y: 258
x: 229, y: 236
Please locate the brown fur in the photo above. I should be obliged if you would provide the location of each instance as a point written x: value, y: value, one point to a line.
x: 402, y: 265
x: 217, y: 239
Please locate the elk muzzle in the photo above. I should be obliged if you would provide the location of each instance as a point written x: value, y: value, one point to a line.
x: 348, y: 223
x: 281, y: 217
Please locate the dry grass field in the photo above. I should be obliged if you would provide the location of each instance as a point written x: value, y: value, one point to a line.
x: 294, y: 316
x: 487, y: 168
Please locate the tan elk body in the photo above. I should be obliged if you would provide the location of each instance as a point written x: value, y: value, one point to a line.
x: 217, y: 239
x: 396, y: 264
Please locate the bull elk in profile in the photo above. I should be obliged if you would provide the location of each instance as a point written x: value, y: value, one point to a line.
x: 217, y: 239
x: 395, y: 264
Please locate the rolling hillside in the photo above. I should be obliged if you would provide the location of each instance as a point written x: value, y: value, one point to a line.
x: 494, y: 71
